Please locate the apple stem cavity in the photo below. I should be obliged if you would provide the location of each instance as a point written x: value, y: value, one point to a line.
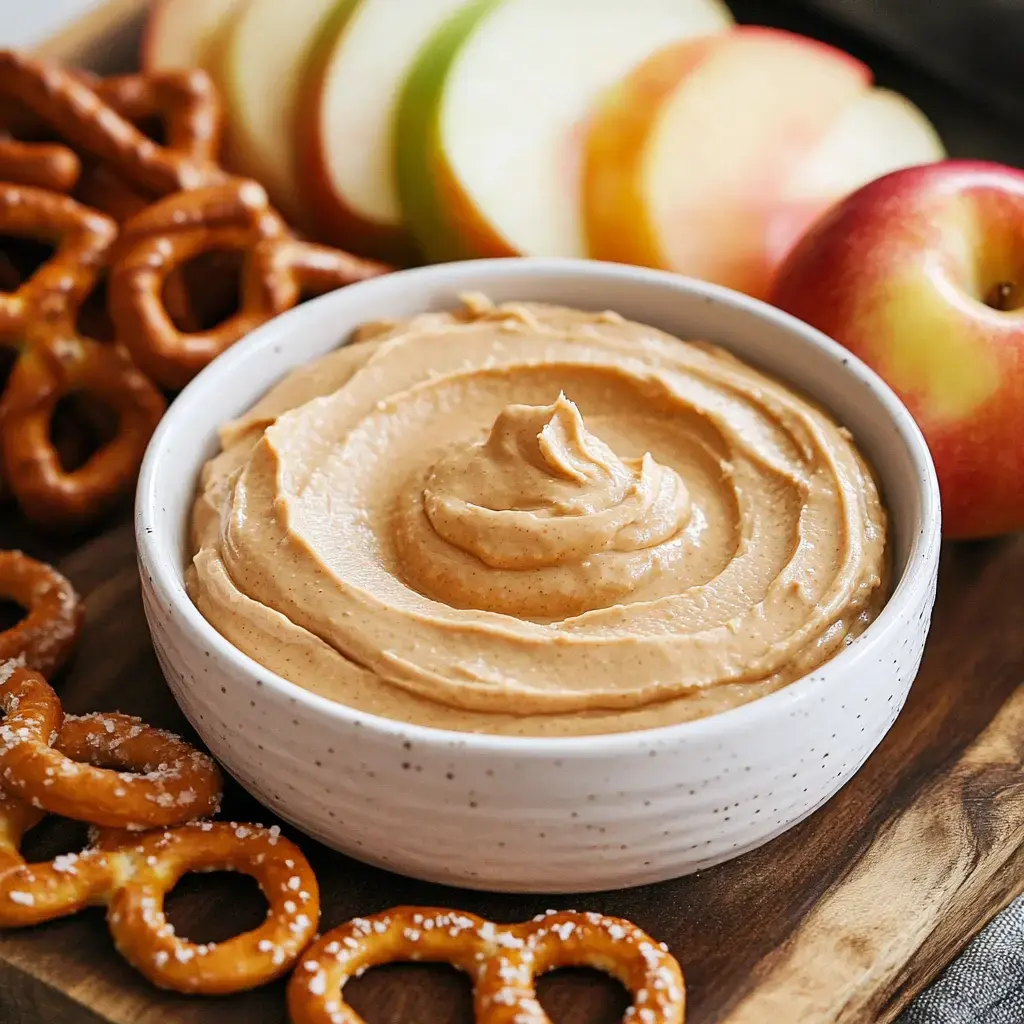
x: 1003, y: 296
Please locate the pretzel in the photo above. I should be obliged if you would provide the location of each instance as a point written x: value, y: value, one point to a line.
x: 503, y: 962
x: 50, y: 760
x: 41, y: 164
x: 64, y: 102
x: 47, y: 492
x: 131, y: 874
x: 235, y: 216
x: 193, y: 121
x: 83, y: 238
x: 101, y: 189
x: 38, y: 321
x: 46, y: 636
x: 304, y: 269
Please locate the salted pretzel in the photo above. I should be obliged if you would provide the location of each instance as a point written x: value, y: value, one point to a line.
x: 107, y: 769
x: 46, y: 636
x: 278, y: 270
x: 132, y: 873
x: 503, y: 961
x: 76, y: 111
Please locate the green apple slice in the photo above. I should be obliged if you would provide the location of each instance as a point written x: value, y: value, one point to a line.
x: 490, y: 126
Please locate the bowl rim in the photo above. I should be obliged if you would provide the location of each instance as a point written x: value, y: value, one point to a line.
x: 921, y: 557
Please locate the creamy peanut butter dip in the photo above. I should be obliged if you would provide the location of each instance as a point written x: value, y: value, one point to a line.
x: 532, y: 520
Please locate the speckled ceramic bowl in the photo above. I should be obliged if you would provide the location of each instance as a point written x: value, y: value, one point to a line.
x: 512, y: 814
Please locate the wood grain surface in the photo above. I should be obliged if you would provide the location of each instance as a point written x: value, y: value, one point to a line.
x: 841, y: 919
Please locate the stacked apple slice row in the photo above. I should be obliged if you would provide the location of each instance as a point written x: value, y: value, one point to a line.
x: 644, y: 131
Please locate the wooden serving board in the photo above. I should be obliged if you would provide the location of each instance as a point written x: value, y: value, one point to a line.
x: 842, y: 919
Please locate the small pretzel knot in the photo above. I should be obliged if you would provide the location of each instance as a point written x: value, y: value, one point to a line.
x: 38, y: 321
x: 131, y: 874
x: 503, y: 961
x: 83, y: 238
x: 145, y: 938
x: 278, y: 270
x: 60, y: 764
x: 48, y: 492
x: 85, y: 115
x: 46, y: 636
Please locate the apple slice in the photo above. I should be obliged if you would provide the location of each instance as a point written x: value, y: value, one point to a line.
x: 346, y: 142
x: 880, y: 132
x: 184, y: 33
x: 491, y: 123
x: 265, y: 55
x: 688, y: 158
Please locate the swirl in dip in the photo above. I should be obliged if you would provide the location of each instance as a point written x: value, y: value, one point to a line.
x: 533, y: 520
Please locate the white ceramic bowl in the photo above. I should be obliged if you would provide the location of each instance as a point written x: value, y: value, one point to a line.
x: 542, y: 815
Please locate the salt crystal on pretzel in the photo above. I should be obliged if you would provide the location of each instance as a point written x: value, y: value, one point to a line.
x: 44, y: 639
x: 131, y: 874
x: 502, y: 960
x: 53, y: 762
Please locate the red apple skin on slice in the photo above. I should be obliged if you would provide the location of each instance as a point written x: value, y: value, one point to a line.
x: 906, y: 274
x: 185, y: 33
x: 688, y: 158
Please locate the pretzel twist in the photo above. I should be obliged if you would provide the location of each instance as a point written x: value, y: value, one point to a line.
x: 83, y: 239
x: 46, y: 636
x: 503, y: 961
x: 38, y: 320
x: 131, y: 874
x: 47, y: 492
x: 65, y: 102
x: 53, y: 762
x: 235, y: 215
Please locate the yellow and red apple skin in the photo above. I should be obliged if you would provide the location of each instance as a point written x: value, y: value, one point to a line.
x: 899, y: 274
x: 621, y: 224
x: 618, y: 225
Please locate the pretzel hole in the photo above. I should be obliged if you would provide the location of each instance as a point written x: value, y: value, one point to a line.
x: 214, y: 906
x: 153, y: 127
x: 11, y: 613
x: 20, y: 258
x: 54, y: 836
x: 212, y: 281
x: 79, y: 427
x: 93, y: 320
x: 573, y: 989
x: 382, y: 993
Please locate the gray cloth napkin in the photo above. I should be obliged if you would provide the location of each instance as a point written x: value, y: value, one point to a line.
x: 985, y: 984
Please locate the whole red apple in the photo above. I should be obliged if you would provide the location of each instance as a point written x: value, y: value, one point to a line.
x: 921, y: 274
